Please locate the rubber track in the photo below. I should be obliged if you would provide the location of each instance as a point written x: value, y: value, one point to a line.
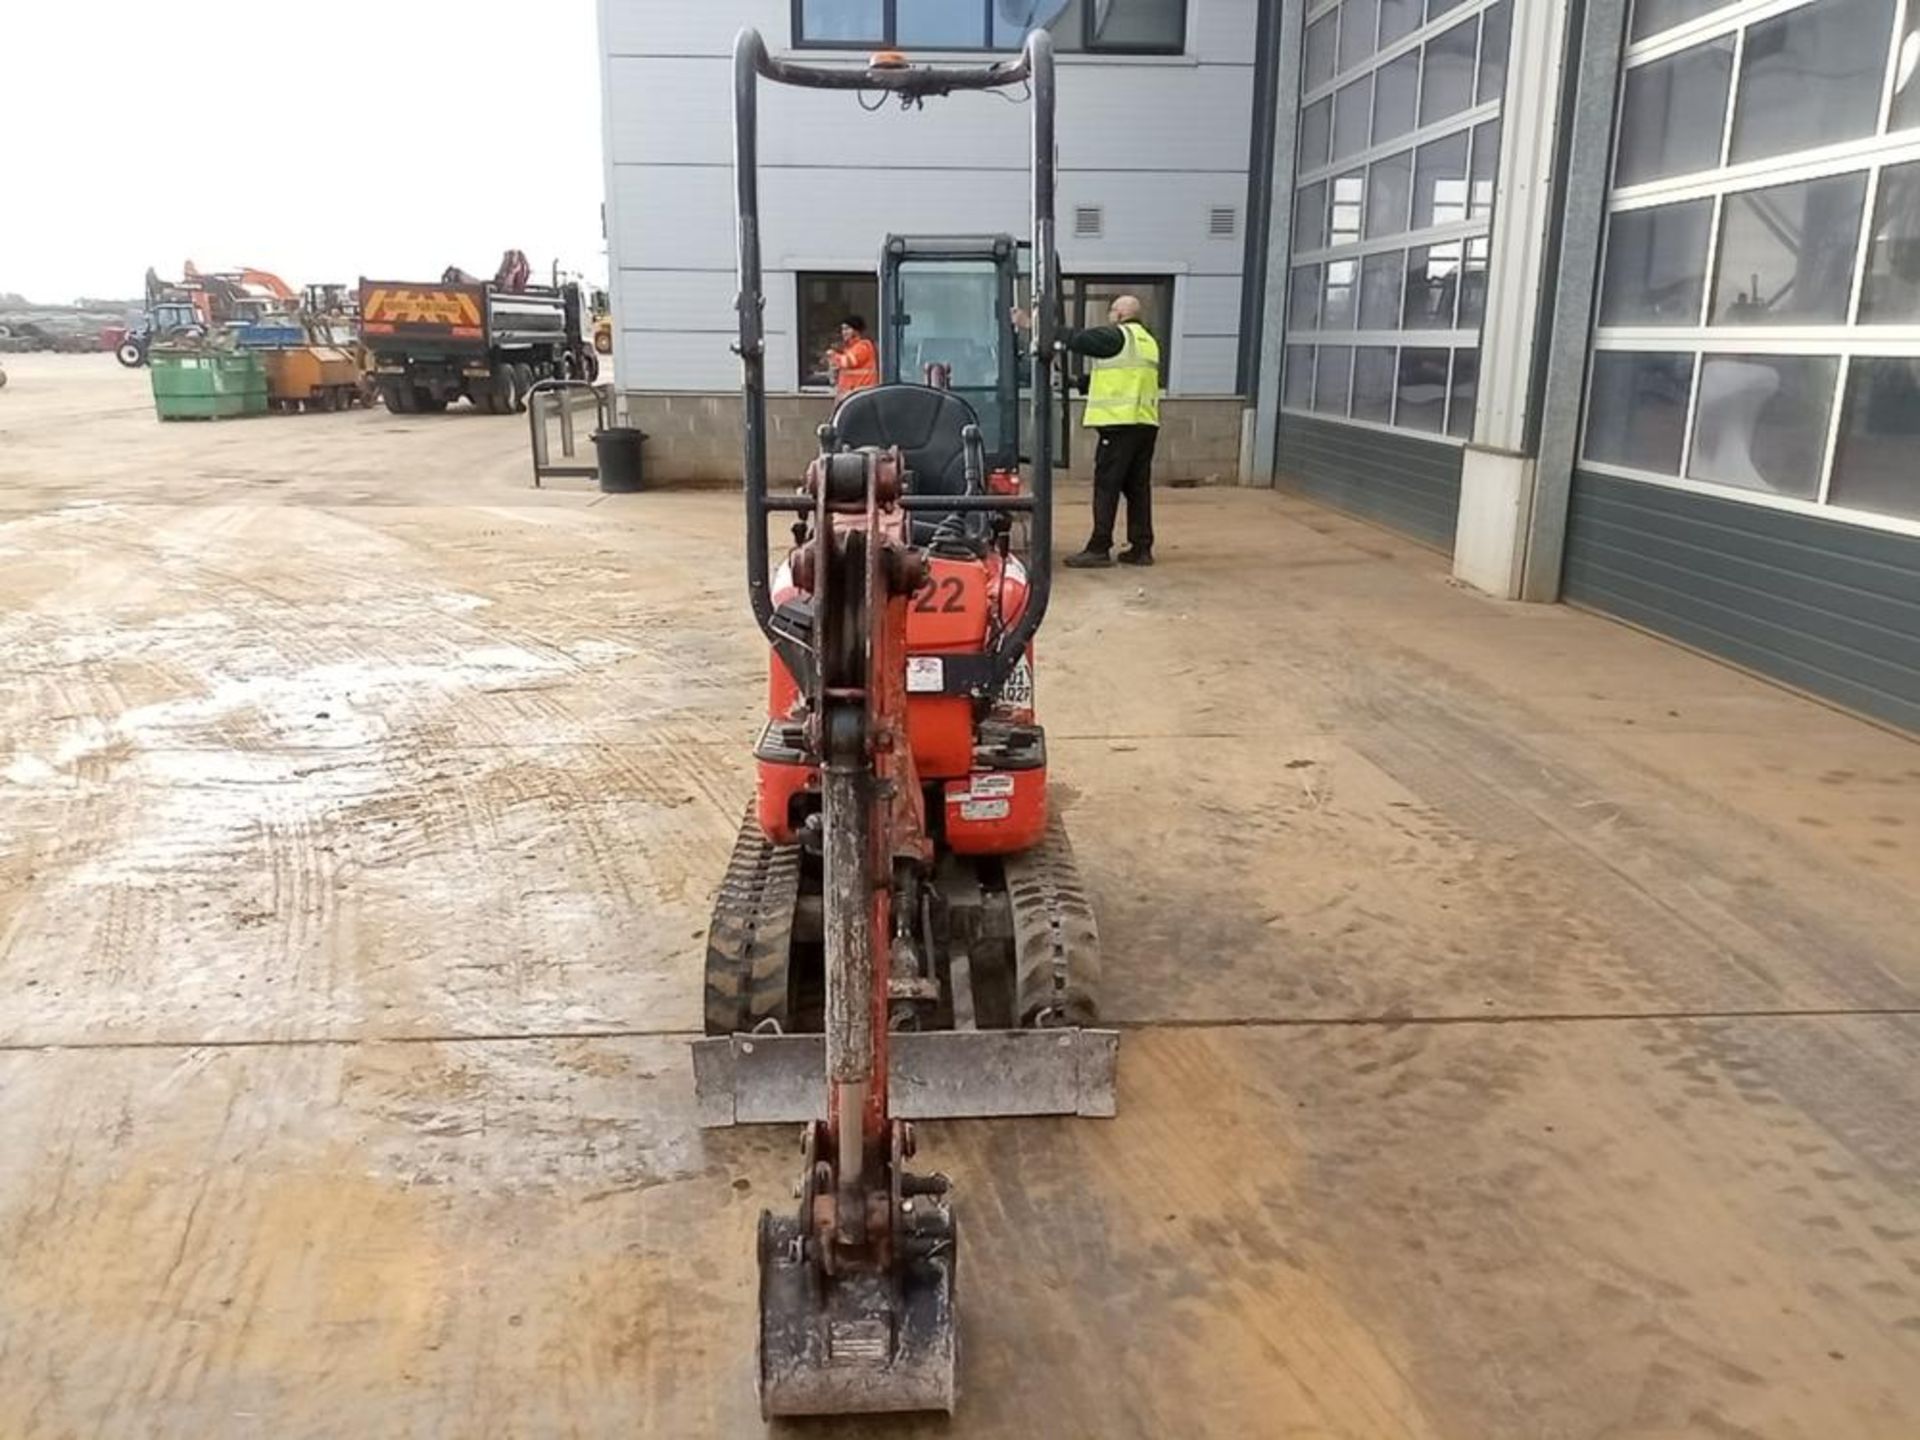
x: 1056, y: 944
x: 749, y: 942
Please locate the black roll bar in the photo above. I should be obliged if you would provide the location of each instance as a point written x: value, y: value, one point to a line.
x: 1033, y: 67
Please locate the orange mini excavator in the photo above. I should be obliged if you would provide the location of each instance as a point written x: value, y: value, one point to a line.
x: 901, y: 933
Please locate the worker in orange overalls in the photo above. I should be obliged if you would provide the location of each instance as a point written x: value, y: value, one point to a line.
x: 854, y: 362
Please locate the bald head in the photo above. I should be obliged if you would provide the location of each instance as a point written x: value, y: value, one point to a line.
x: 1125, y: 308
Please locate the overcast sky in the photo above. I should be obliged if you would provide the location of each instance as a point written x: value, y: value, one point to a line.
x: 388, y: 138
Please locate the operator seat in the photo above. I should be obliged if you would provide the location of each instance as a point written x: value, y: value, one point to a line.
x: 930, y: 427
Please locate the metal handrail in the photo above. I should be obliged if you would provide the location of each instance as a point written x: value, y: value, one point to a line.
x: 538, y: 397
x: 1033, y: 67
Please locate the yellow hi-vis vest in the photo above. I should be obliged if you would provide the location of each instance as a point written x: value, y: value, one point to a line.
x: 1126, y: 389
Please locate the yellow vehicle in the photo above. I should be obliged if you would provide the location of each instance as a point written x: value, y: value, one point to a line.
x: 313, y: 377
x: 602, y: 323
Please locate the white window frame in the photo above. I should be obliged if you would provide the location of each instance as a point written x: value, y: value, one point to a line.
x: 801, y: 274
x: 1409, y: 143
x: 1871, y: 154
x: 1396, y: 341
x: 1412, y: 40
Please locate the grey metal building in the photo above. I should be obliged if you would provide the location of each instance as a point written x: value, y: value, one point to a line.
x: 1157, y: 99
x: 1617, y: 300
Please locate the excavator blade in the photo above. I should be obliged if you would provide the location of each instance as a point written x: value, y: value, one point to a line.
x: 871, y: 1343
x: 934, y: 1075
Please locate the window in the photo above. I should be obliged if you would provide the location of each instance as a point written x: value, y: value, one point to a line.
x: 1318, y: 64
x: 824, y: 299
x: 1760, y: 422
x: 1650, y: 17
x: 1673, y: 114
x: 1446, y: 86
x: 1433, y: 280
x: 1153, y: 27
x: 1466, y: 394
x: 1352, y: 113
x: 1879, y: 431
x: 1787, y: 253
x: 1906, y: 75
x: 1349, y: 204
x: 1637, y: 410
x: 1485, y: 171
x: 1398, y: 19
x: 1494, y: 37
x: 940, y: 24
x: 1339, y: 308
x: 1359, y: 23
x: 1811, y: 77
x: 1085, y: 299
x: 1473, y: 283
x: 1132, y: 25
x: 1373, y: 372
x: 1296, y: 388
x: 1389, y: 193
x: 1380, y: 277
x: 1395, y: 90
x: 1420, y: 398
x: 1332, y: 387
x: 1893, y: 264
x: 1784, y: 280
x: 1316, y: 129
x: 1440, y: 182
x: 1303, y: 299
x: 1396, y: 231
x: 1310, y: 218
x: 831, y: 20
x: 1656, y: 270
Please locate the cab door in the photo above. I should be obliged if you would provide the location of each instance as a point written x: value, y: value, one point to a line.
x: 945, y: 318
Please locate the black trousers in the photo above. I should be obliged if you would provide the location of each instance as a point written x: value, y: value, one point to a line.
x: 1123, y: 465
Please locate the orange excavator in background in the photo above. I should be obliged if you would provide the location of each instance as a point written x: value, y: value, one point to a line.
x: 245, y: 278
x: 244, y: 296
x: 197, y: 305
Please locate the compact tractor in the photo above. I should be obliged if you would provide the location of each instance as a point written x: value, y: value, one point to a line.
x: 901, y: 933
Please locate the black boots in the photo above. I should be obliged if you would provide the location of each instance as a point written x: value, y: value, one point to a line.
x: 1091, y: 559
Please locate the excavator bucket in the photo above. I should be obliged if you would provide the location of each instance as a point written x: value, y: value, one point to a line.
x: 854, y: 1344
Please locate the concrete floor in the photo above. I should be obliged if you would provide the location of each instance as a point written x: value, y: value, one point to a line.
x: 1523, y: 1014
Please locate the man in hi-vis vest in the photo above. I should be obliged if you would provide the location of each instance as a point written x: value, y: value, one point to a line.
x: 1123, y: 405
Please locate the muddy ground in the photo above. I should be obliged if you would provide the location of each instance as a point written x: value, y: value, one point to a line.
x: 1521, y: 1012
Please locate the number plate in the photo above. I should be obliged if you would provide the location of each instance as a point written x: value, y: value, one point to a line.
x: 1017, y: 693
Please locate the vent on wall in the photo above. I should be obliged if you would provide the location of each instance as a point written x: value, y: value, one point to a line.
x: 1088, y: 222
x: 1223, y: 221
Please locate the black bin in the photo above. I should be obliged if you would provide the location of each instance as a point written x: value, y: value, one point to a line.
x: 617, y: 453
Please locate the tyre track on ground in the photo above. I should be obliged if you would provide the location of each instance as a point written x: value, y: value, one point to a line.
x: 447, y: 805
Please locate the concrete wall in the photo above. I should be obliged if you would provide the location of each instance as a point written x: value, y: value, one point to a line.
x: 1199, y: 441
x: 1157, y: 141
x: 696, y: 438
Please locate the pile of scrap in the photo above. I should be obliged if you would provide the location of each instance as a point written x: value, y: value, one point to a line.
x: 26, y: 325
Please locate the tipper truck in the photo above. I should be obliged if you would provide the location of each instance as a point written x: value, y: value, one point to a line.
x: 434, y: 342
